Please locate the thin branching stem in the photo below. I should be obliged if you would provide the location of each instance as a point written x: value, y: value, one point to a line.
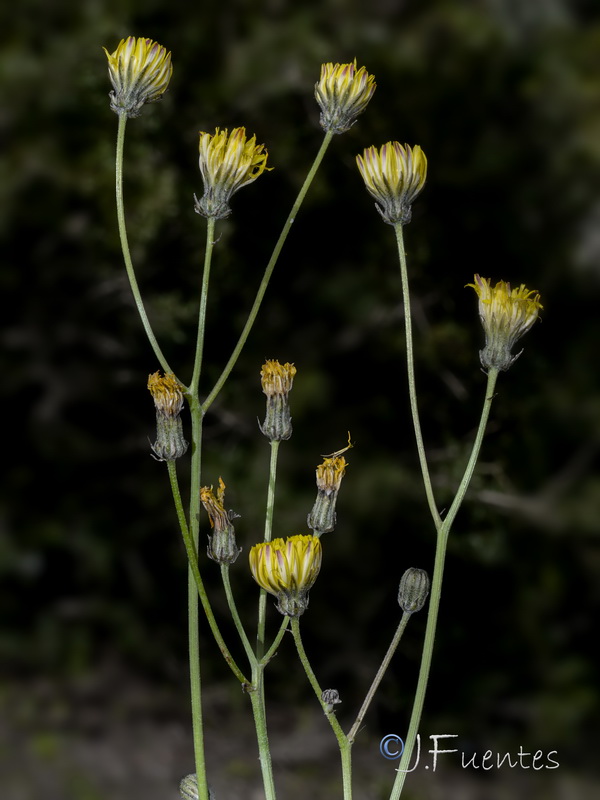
x: 125, y: 246
x: 262, y: 599
x: 210, y: 241
x: 268, y: 272
x: 260, y: 723
x: 272, y: 651
x: 193, y: 639
x: 436, y: 590
x: 412, y: 390
x: 380, y: 673
x: 343, y: 743
x: 235, y: 615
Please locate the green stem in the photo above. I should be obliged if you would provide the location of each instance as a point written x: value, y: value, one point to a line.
x: 210, y: 241
x: 380, y: 673
x: 260, y: 722
x: 125, y: 247
x: 235, y: 615
x: 470, y: 468
x: 436, y: 590
x: 191, y: 535
x: 273, y: 649
x: 196, y: 590
x: 193, y: 640
x: 268, y: 272
x: 412, y: 391
x: 343, y: 743
x: 271, y: 490
x: 262, y: 600
x: 190, y: 539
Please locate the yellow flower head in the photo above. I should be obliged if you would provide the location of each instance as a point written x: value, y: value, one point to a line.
x: 221, y: 545
x: 506, y: 314
x: 168, y: 401
x: 322, y: 518
x: 343, y: 93
x: 394, y: 176
x: 228, y: 161
x: 277, y: 380
x: 140, y: 71
x: 166, y: 393
x: 287, y: 570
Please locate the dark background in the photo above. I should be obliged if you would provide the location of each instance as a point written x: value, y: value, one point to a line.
x: 504, y: 98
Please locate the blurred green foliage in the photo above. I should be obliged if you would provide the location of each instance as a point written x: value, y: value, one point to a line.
x: 504, y: 98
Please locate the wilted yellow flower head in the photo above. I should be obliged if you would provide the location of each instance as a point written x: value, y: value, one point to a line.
x: 394, y: 176
x: 215, y: 509
x: 506, y: 314
x: 288, y: 570
x: 330, y: 474
x: 322, y: 518
x: 168, y: 401
x: 166, y: 393
x: 343, y: 93
x: 221, y: 545
x: 140, y: 71
x: 228, y: 161
x: 277, y: 380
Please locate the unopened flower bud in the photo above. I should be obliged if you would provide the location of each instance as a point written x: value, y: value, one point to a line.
x: 394, y: 176
x: 188, y: 788
x: 343, y: 93
x: 222, y: 547
x: 287, y: 570
x: 140, y: 71
x: 330, y: 698
x: 277, y: 381
x: 168, y: 401
x: 322, y: 518
x: 506, y: 314
x: 413, y: 591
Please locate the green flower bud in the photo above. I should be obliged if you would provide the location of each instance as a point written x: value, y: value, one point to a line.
x: 188, y: 788
x: 330, y: 698
x: 413, y: 591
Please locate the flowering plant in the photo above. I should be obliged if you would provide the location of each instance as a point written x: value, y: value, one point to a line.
x: 394, y: 175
